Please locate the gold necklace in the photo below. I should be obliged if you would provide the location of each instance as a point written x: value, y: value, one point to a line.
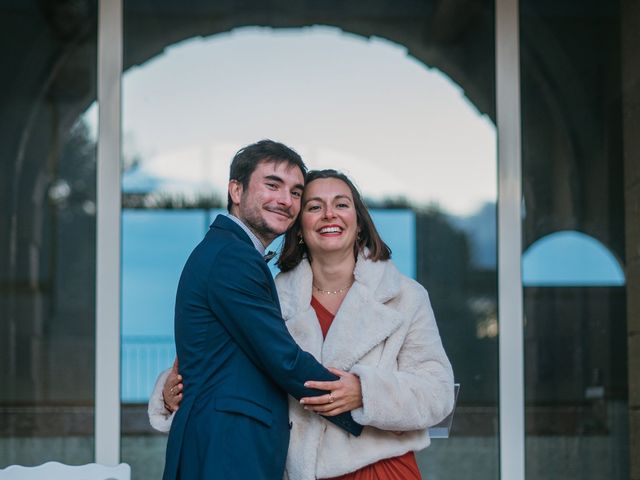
x: 333, y: 292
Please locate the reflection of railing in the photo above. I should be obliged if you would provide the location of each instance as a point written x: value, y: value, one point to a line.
x: 143, y: 357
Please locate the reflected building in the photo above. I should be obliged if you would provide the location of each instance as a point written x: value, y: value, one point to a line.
x: 580, y: 84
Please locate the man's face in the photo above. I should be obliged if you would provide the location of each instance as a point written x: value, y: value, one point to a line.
x: 271, y: 202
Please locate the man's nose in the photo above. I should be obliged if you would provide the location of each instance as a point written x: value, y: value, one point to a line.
x: 285, y: 199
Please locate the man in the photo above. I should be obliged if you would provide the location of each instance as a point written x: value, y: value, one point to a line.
x: 236, y: 356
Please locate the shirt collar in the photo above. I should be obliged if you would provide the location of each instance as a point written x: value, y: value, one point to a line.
x: 255, y: 240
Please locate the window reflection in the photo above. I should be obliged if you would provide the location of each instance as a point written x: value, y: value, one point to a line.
x: 360, y: 105
x: 574, y: 296
x: 47, y: 232
x: 397, y: 133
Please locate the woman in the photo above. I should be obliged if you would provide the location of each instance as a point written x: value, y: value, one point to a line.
x: 346, y: 303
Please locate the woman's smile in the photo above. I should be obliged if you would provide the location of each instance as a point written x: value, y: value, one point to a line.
x: 330, y: 230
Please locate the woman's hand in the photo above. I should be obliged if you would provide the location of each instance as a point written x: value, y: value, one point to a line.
x: 345, y: 394
x: 172, y: 390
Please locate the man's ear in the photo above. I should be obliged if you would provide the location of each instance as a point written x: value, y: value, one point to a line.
x: 235, y: 191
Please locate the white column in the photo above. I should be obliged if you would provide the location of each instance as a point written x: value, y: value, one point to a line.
x: 107, y: 413
x: 512, y: 450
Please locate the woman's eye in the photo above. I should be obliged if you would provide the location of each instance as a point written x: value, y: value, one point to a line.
x: 312, y: 208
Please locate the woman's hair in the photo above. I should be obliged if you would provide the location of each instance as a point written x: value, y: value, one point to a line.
x: 293, y: 251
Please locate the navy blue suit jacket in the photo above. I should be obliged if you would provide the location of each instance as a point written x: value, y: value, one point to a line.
x: 238, y: 362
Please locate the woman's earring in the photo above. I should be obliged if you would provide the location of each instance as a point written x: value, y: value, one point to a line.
x: 301, y: 241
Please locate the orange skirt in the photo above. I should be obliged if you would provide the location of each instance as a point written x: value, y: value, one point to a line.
x: 403, y: 467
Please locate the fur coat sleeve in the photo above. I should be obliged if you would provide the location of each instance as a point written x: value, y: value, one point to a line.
x: 419, y: 393
x: 159, y: 417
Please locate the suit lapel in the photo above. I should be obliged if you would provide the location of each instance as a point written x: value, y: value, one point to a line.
x: 274, y: 291
x: 222, y: 222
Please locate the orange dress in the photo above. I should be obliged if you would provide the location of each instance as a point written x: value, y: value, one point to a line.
x: 403, y: 467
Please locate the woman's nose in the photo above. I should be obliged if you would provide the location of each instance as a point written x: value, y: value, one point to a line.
x: 328, y: 212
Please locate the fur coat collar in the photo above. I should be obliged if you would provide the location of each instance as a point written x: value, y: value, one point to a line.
x: 363, y: 310
x: 383, y: 312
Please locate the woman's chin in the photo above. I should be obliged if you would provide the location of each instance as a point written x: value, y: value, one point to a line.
x: 329, y: 248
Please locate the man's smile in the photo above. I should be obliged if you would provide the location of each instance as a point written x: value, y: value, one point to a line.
x: 279, y: 211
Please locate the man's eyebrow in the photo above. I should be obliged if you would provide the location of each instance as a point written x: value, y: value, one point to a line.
x: 276, y: 178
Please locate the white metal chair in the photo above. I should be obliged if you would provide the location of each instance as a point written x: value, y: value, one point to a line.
x: 59, y: 471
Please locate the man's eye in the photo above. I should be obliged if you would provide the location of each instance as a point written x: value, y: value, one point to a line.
x: 272, y: 186
x: 296, y: 194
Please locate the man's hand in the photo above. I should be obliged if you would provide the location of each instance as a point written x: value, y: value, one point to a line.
x: 172, y: 390
x: 345, y: 394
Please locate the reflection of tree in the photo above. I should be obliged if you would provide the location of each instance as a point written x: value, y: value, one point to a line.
x: 78, y: 165
x: 52, y: 344
x: 72, y: 200
x: 172, y: 201
x: 464, y: 300
x: 150, y: 195
x: 463, y: 295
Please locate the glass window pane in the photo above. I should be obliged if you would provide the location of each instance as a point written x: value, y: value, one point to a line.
x: 574, y: 240
x: 401, y: 99
x: 47, y: 231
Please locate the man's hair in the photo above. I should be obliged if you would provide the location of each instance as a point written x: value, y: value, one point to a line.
x: 293, y: 251
x: 246, y: 160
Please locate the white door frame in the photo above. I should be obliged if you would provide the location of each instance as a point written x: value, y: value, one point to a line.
x: 108, y: 278
x: 510, y: 302
x: 108, y: 270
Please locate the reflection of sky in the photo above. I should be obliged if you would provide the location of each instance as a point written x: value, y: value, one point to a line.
x: 570, y: 258
x: 360, y: 105
x: 156, y: 243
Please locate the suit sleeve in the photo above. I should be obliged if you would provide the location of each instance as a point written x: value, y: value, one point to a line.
x: 419, y: 393
x: 241, y: 292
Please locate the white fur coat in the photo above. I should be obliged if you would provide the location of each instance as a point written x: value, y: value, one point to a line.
x: 385, y: 333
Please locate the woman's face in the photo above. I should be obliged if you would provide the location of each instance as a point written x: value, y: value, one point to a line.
x: 328, y: 217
